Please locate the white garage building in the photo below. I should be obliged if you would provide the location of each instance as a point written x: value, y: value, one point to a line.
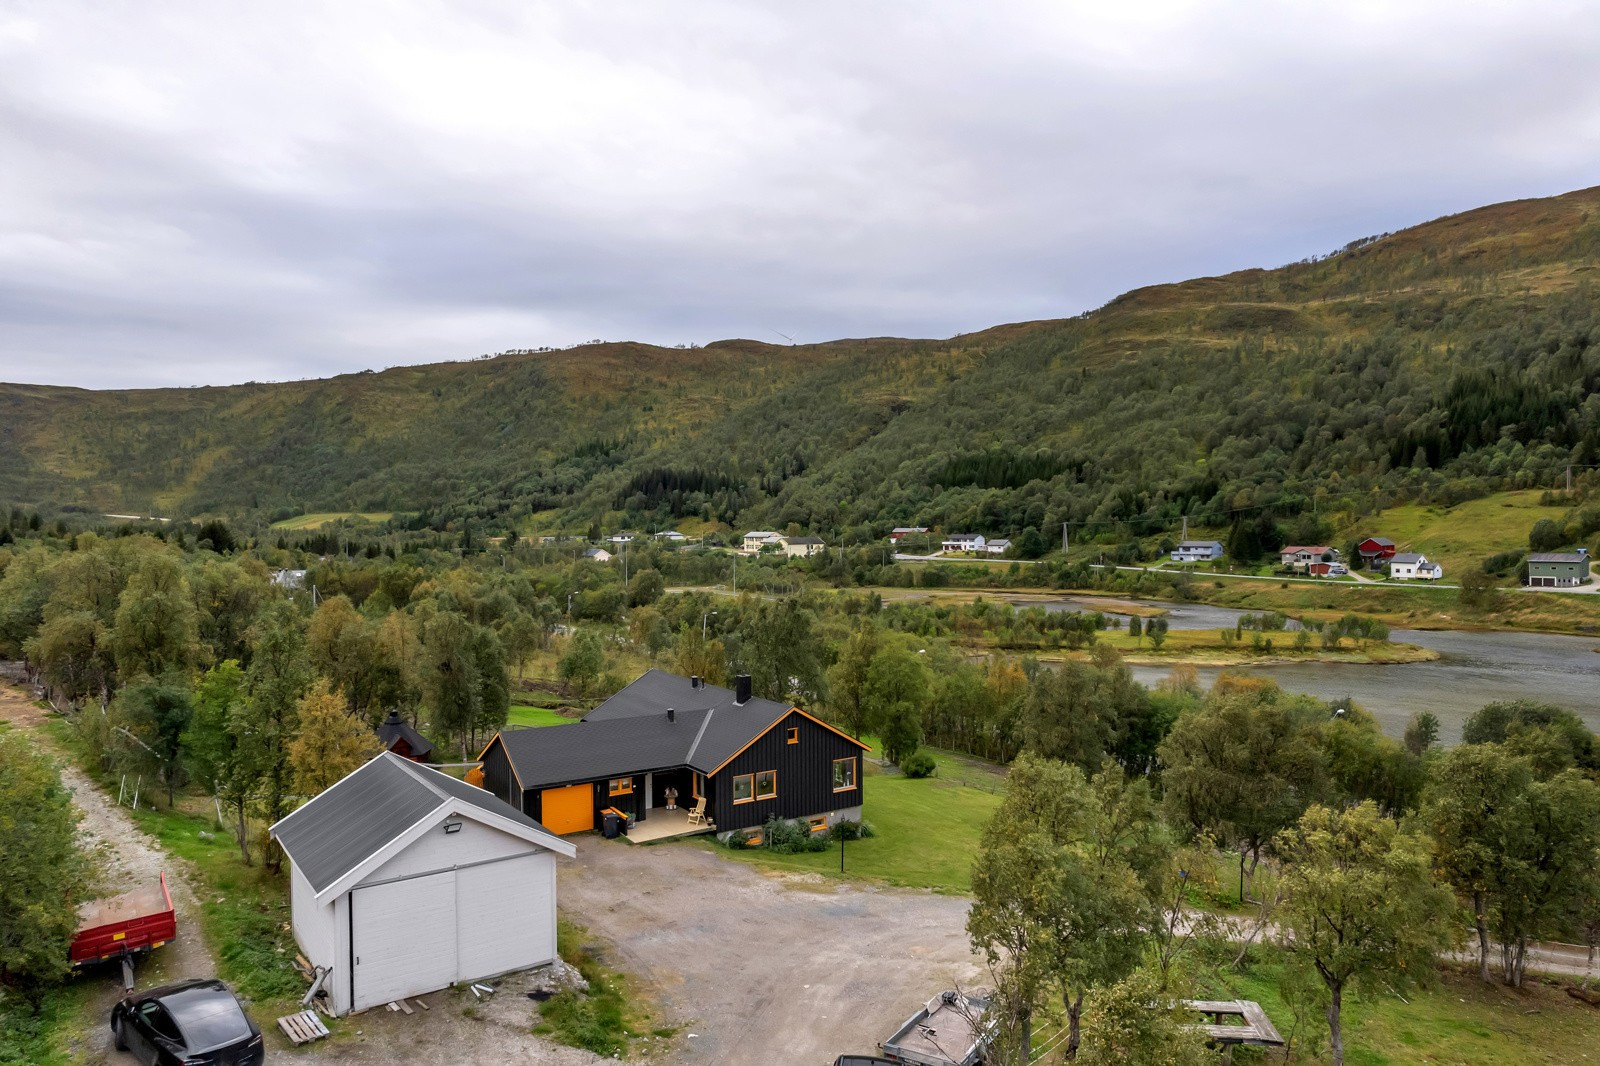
x: 405, y: 880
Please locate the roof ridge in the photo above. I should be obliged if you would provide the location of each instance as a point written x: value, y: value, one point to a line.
x: 412, y: 769
x: 710, y: 714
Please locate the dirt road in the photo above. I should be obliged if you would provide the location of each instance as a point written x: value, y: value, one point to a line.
x: 763, y: 968
x: 126, y: 856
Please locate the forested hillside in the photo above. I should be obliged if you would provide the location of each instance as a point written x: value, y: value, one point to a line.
x: 1437, y: 362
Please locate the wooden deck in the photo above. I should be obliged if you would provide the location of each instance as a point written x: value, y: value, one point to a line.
x: 664, y: 825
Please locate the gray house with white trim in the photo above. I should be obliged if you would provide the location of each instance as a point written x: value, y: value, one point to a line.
x: 1558, y: 569
x: 404, y: 880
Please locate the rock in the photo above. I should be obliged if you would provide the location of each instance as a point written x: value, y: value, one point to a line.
x: 557, y: 977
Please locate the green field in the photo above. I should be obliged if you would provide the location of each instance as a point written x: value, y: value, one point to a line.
x: 1461, y: 536
x: 316, y: 521
x: 1457, y: 1019
x: 927, y: 830
x: 525, y: 715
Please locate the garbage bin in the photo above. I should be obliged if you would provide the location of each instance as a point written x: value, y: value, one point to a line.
x: 610, y: 826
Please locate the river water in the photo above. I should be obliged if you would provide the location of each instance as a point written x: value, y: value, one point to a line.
x: 1472, y: 669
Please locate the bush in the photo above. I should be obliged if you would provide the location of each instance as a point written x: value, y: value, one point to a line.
x: 1502, y: 564
x: 849, y: 829
x: 791, y: 838
x: 918, y: 764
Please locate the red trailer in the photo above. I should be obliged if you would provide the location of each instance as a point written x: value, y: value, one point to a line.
x: 121, y: 926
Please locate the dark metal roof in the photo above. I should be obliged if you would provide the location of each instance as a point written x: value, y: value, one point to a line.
x: 1382, y: 542
x: 630, y: 733
x: 1406, y: 558
x: 1558, y: 557
x: 344, y: 826
x: 395, y: 728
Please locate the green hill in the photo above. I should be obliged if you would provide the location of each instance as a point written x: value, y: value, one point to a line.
x: 1433, y: 364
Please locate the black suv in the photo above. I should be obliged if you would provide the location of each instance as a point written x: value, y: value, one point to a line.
x: 194, y: 1023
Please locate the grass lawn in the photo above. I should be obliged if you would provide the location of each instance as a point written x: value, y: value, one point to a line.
x: 523, y: 714
x: 1464, y: 535
x: 316, y: 521
x: 927, y: 830
x: 1456, y: 1020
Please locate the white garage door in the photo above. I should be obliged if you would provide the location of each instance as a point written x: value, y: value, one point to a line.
x: 405, y: 938
x: 505, y: 915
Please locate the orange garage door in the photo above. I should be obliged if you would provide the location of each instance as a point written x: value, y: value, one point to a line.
x: 568, y: 810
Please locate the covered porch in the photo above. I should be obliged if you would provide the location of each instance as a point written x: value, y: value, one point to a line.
x: 663, y: 824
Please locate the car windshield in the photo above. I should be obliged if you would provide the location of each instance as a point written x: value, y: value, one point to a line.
x: 209, y: 1017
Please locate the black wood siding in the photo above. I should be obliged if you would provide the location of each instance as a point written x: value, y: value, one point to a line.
x: 497, y: 776
x: 805, y: 775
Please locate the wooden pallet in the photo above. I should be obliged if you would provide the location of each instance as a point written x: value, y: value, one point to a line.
x: 302, y: 1028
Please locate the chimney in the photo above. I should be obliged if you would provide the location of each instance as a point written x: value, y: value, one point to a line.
x: 672, y: 715
x: 741, y: 689
x: 694, y: 681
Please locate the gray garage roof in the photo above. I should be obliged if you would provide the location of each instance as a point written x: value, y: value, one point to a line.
x: 630, y: 733
x: 343, y: 827
x: 1558, y: 557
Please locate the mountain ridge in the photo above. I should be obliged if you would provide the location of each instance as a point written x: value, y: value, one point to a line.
x: 846, y: 433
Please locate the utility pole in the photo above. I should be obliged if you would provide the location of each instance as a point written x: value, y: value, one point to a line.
x: 736, y: 575
x: 1063, y: 538
x: 1185, y: 527
x: 1569, y: 477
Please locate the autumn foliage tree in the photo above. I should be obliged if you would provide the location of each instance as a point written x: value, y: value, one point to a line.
x: 332, y: 741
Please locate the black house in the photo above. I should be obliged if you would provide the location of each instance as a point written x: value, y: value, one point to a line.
x: 748, y: 759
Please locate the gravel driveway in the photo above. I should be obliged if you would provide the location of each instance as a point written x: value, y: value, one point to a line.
x: 126, y: 856
x: 765, y: 967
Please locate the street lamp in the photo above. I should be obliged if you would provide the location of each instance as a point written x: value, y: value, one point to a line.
x: 703, y: 619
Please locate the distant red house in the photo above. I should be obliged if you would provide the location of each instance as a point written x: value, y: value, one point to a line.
x: 397, y: 736
x: 1376, y: 550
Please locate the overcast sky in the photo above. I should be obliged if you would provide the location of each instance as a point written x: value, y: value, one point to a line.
x: 198, y: 193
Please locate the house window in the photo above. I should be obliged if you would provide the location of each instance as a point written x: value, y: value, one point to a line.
x: 620, y: 786
x: 818, y: 824
x: 744, y: 788
x: 697, y: 786
x: 794, y: 734
x: 844, y: 774
x: 767, y: 785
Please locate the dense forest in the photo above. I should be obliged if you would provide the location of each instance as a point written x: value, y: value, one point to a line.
x: 1435, y: 363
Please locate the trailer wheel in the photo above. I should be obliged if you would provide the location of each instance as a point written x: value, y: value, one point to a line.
x: 116, y: 1034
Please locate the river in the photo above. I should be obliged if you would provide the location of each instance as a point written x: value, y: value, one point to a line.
x: 1473, y: 668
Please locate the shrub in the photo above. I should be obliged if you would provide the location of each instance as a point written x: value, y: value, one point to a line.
x: 918, y: 764
x: 849, y: 829
x: 790, y: 838
x: 1502, y: 564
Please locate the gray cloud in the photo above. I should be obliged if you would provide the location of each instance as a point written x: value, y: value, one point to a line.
x: 212, y: 193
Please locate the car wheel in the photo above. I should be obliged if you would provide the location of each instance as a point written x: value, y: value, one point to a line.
x: 116, y: 1034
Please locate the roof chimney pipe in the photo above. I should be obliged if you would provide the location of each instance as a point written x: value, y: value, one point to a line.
x: 672, y: 715
x: 741, y: 689
x: 694, y: 681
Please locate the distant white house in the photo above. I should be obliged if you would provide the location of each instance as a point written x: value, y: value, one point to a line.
x: 621, y: 538
x: 289, y: 579
x: 905, y: 531
x: 757, y: 539
x: 671, y: 535
x: 599, y: 555
x: 1410, y: 566
x: 803, y: 546
x: 997, y: 547
x: 1197, y: 551
x: 963, y: 542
